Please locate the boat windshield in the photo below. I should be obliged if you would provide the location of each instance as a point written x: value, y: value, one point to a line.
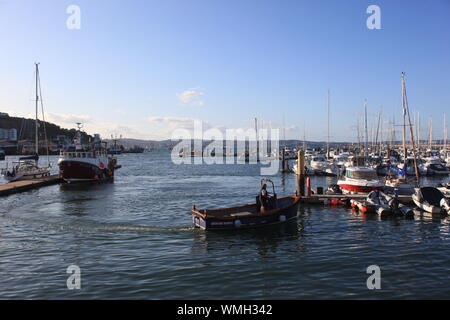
x: 366, y: 175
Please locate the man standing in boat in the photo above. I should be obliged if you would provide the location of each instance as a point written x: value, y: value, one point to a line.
x: 264, y: 198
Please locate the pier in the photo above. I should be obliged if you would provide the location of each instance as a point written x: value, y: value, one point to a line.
x: 324, y: 198
x: 26, y: 185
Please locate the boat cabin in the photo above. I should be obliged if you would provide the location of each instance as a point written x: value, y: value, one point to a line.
x: 361, y: 173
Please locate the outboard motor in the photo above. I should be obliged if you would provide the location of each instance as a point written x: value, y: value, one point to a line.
x: 334, y: 188
x: 394, y: 203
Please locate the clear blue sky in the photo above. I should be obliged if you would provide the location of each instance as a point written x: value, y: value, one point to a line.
x: 126, y: 69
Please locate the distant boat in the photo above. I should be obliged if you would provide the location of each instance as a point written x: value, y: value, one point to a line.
x: 115, y: 150
x: 435, y: 166
x: 27, y: 167
x: 135, y: 149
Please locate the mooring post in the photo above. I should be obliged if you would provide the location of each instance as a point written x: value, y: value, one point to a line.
x: 282, y: 161
x: 308, y: 186
x: 301, y: 172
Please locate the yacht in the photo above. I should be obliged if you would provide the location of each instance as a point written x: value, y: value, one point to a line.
x: 28, y: 167
x: 434, y: 166
x: 25, y: 169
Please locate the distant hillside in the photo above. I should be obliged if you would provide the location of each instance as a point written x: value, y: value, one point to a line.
x: 26, y: 128
x: 169, y: 144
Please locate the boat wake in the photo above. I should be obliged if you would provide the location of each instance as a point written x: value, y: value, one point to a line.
x: 98, y: 227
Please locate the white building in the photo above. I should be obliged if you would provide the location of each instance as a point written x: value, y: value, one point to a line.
x: 8, y: 134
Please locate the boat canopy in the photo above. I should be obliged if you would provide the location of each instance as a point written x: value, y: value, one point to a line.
x: 432, y: 195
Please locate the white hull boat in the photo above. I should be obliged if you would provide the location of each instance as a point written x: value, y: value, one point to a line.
x: 431, y: 200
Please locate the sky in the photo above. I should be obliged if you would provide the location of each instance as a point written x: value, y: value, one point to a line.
x: 144, y: 68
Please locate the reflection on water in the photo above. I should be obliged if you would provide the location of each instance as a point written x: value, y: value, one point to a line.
x: 134, y: 239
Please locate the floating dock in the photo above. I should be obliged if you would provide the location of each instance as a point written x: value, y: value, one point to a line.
x: 325, y: 198
x: 26, y: 185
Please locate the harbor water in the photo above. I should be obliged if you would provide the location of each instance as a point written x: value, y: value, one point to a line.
x: 134, y: 239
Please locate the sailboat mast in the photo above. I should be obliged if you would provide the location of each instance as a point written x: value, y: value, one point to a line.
x: 366, y: 142
x: 411, y: 132
x: 430, y: 137
x: 328, y: 134
x: 257, y: 140
x: 405, y: 155
x: 378, y: 131
x: 445, y: 134
x: 418, y: 131
x: 37, y: 102
x: 304, y: 137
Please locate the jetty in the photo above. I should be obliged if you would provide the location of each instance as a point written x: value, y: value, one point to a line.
x: 26, y: 185
x: 335, y: 199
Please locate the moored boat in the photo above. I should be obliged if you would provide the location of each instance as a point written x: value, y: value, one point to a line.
x: 435, y: 166
x: 360, y: 180
x: 91, y: 163
x: 261, y: 213
x: 25, y: 169
x: 445, y: 189
x: 431, y: 200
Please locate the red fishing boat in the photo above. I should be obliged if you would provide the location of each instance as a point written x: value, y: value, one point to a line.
x: 86, y: 163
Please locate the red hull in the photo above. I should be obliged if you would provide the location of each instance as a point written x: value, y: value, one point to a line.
x: 361, y: 189
x: 74, y: 171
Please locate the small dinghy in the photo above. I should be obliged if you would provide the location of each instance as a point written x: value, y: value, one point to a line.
x: 267, y: 209
x: 378, y: 200
x: 395, y: 205
x: 385, y: 204
x: 431, y: 200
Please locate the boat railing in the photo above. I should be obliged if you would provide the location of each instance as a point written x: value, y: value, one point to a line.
x: 82, y: 154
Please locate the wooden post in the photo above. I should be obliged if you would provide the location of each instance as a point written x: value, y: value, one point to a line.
x: 308, y: 186
x: 301, y: 172
x: 282, y: 161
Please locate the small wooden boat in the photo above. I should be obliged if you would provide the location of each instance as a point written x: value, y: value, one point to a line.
x: 431, y: 200
x: 263, y: 212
